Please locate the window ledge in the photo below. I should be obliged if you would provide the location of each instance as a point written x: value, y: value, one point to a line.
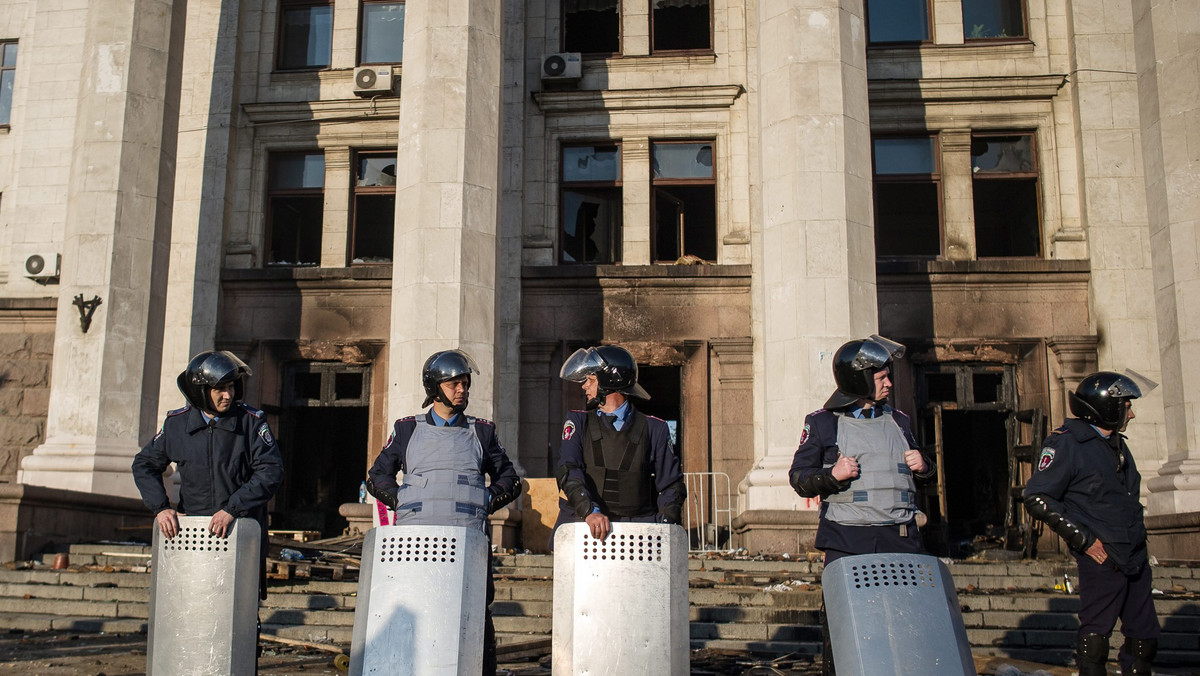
x: 1002, y: 87
x: 632, y: 271
x: 979, y: 49
x: 664, y: 98
x: 992, y: 266
x: 308, y: 273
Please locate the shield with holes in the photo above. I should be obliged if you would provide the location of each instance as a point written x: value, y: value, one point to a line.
x: 895, y: 614
x: 204, y: 600
x: 422, y: 595
x: 621, y: 605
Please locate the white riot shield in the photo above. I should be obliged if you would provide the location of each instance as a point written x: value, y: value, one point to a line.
x: 895, y: 614
x: 204, y: 600
x: 422, y: 596
x: 621, y: 605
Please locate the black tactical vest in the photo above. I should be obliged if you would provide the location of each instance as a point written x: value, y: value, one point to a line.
x: 617, y: 472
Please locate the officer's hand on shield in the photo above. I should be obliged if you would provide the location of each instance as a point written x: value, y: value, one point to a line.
x: 914, y: 460
x: 220, y: 523
x: 845, y: 468
x: 168, y: 522
x: 599, y: 524
x: 1096, y: 551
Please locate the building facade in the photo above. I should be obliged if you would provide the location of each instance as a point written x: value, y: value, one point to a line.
x: 334, y: 189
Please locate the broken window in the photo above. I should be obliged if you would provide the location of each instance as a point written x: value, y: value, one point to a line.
x: 382, y: 33
x: 8, y: 72
x: 685, y: 201
x: 590, y: 199
x: 681, y: 25
x: 892, y: 21
x: 908, y: 197
x: 374, y: 226
x: 1005, y: 178
x: 591, y: 26
x: 305, y: 35
x: 993, y: 19
x: 295, y: 206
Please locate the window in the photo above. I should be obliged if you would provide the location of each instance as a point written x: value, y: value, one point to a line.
x: 382, y: 32
x: 374, y: 207
x: 295, y: 204
x: 681, y: 24
x: 907, y: 197
x: 685, y: 201
x: 590, y: 199
x: 1007, y: 221
x: 891, y: 21
x: 8, y: 72
x: 305, y: 35
x: 993, y: 19
x: 591, y: 26
x: 327, y: 384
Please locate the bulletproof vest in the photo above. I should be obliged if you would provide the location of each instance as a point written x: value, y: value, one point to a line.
x: 884, y: 492
x: 616, y: 466
x: 443, y: 484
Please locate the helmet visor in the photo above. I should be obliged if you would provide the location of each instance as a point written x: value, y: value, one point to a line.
x: 875, y: 352
x: 219, y: 367
x: 1131, y: 384
x: 584, y: 362
x: 450, y: 364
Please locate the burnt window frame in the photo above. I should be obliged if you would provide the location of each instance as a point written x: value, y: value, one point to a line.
x: 1035, y: 174
x: 1024, y: 37
x: 563, y: 46
x: 927, y: 40
x: 272, y: 193
x: 327, y: 373
x: 656, y: 183
x: 710, y: 49
x: 362, y: 32
x: 368, y: 190
x: 936, y: 177
x: 616, y: 185
x: 9, y: 70
x: 281, y: 12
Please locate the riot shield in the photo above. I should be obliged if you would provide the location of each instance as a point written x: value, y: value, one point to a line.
x: 895, y: 614
x: 621, y: 605
x: 204, y: 600
x: 422, y: 595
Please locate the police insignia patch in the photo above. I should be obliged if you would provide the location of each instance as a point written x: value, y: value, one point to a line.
x: 160, y: 433
x: 804, y: 434
x: 389, y: 441
x: 265, y: 433
x: 1046, y: 458
x: 568, y: 430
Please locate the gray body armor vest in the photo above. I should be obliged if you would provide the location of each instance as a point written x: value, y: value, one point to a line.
x: 443, y: 484
x: 884, y: 492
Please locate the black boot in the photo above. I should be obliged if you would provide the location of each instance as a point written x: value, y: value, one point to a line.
x: 1091, y: 654
x: 489, y: 645
x: 1142, y: 650
x: 827, y: 668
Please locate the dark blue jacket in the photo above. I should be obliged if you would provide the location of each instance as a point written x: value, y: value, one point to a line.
x: 1094, y: 483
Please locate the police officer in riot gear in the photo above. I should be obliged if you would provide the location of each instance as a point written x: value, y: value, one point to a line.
x: 228, y: 462
x: 615, y: 462
x: 858, y: 455
x: 444, y: 455
x: 1086, y: 487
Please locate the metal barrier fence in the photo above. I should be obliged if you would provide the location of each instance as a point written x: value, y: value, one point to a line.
x: 709, y: 517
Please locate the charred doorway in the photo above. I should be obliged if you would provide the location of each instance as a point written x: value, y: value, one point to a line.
x: 324, y: 437
x: 666, y: 399
x: 964, y: 423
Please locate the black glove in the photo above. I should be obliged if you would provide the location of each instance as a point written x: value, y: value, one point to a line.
x: 387, y: 497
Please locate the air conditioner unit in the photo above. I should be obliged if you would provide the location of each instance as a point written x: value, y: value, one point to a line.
x: 561, y: 67
x: 42, y: 267
x: 373, y: 80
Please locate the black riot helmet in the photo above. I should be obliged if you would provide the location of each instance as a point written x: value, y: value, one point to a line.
x: 209, y: 369
x: 855, y: 365
x: 614, y: 368
x: 443, y: 366
x: 1101, y: 397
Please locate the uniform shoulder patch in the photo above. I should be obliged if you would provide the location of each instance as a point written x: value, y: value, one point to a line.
x: 251, y: 410
x: 818, y: 411
x: 1046, y: 458
x: 1060, y: 430
x: 568, y: 430
x: 804, y: 433
x: 265, y: 433
x: 179, y: 411
x: 485, y: 421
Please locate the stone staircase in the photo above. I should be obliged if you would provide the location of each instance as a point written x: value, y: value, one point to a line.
x: 763, y: 607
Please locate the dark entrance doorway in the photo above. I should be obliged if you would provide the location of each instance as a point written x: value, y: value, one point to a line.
x: 664, y: 386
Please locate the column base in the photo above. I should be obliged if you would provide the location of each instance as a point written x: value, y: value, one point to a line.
x: 83, y: 464
x: 36, y: 520
x: 776, y: 531
x: 1176, y: 489
x: 1174, y: 537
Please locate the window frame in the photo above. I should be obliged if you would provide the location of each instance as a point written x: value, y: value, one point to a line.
x: 1024, y: 37
x: 562, y: 17
x: 564, y: 186
x: 656, y: 183
x: 7, y: 122
x: 710, y: 49
x: 927, y: 40
x: 272, y: 193
x: 281, y: 12
x: 362, y: 32
x: 366, y: 190
x: 1035, y: 174
x: 936, y: 177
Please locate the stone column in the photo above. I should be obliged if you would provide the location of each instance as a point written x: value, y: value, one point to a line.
x: 100, y: 394
x: 816, y: 253
x: 958, y: 195
x: 202, y: 195
x: 1167, y: 61
x: 636, y: 195
x: 444, y: 284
